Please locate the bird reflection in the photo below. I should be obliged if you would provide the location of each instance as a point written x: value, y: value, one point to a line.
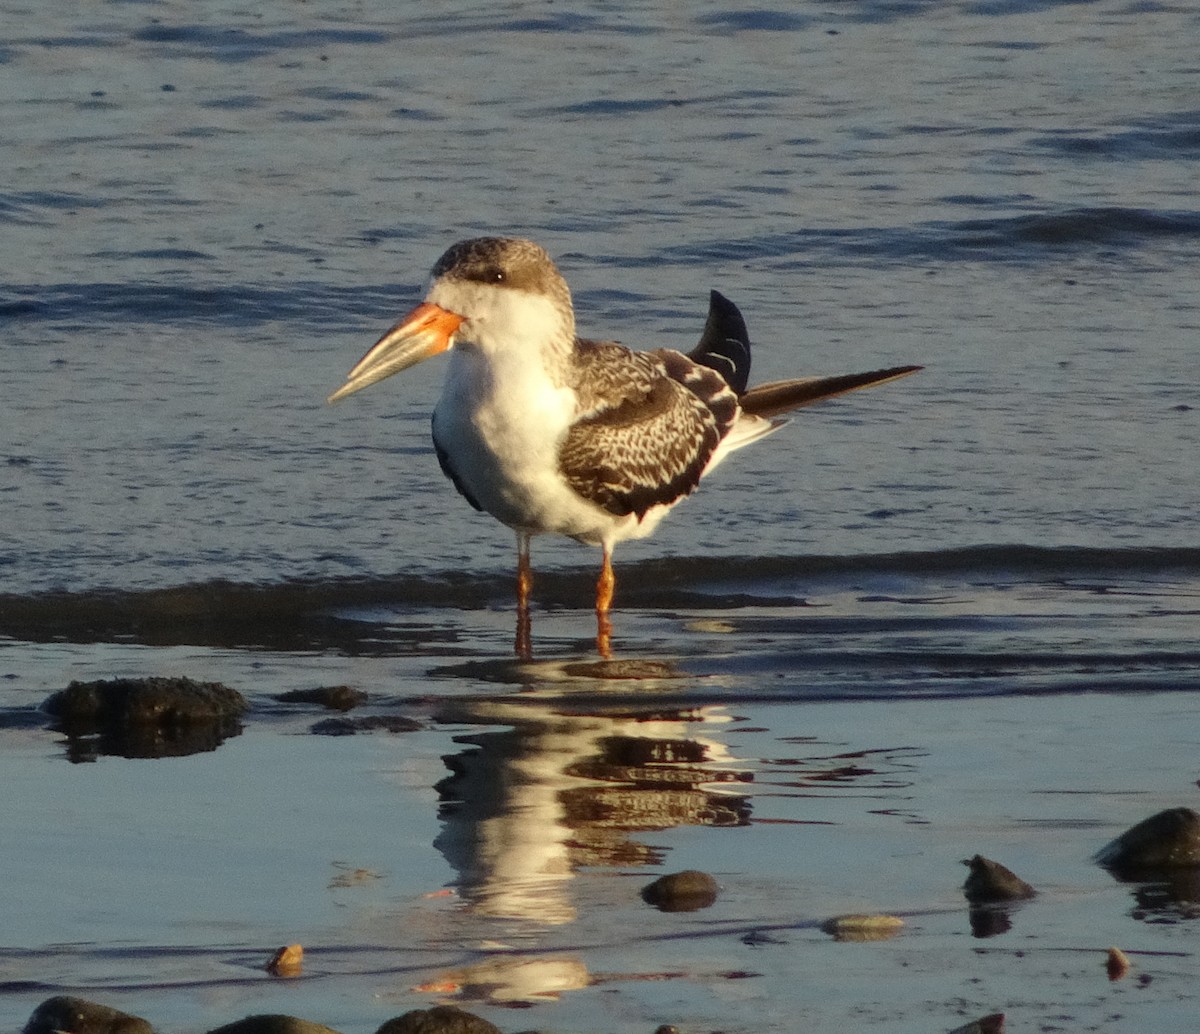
x: 524, y: 807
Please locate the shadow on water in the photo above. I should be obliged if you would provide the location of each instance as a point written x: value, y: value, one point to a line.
x: 331, y: 613
x: 973, y: 622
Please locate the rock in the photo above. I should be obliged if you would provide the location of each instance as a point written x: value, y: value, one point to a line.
x: 991, y: 881
x: 332, y: 698
x: 273, y: 1023
x: 287, y: 961
x: 684, y: 891
x: 147, y: 717
x: 350, y: 726
x: 1168, y: 840
x: 148, y: 701
x: 64, y: 1014
x: 441, y: 1019
x: 1116, y: 963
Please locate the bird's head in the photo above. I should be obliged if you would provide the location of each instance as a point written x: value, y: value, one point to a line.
x: 491, y: 293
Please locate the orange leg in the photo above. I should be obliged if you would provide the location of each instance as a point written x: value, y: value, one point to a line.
x: 605, y: 586
x: 524, y: 643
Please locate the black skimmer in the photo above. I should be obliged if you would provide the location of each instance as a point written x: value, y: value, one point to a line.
x: 549, y: 432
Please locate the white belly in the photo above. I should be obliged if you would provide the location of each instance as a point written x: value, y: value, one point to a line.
x: 500, y: 426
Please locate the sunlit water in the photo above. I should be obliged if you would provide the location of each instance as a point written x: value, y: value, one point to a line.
x: 954, y: 614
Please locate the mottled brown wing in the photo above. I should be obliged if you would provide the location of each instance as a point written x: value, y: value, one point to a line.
x: 650, y: 423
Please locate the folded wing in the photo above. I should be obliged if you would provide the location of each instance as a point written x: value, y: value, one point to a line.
x: 650, y: 423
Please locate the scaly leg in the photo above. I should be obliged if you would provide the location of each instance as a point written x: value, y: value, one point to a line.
x: 524, y: 643
x: 605, y: 585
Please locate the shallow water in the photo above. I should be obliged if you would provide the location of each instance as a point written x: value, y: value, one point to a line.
x: 958, y: 614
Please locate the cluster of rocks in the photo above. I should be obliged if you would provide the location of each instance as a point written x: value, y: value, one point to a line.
x: 157, y: 717
x: 174, y: 716
x: 1160, y: 855
x: 1161, y: 852
x: 65, y: 1014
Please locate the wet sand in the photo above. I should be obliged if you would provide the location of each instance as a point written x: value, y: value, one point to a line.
x: 494, y: 857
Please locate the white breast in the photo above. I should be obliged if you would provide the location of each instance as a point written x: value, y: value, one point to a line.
x: 500, y: 422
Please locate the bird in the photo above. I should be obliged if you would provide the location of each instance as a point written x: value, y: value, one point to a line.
x: 553, y: 433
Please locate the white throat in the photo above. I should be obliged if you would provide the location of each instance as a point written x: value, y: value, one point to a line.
x: 505, y: 323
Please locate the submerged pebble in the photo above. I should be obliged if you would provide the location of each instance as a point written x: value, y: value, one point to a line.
x: 343, y: 726
x: 862, y: 927
x: 332, y: 698
x: 990, y: 1024
x: 991, y: 881
x: 65, y: 1014
x: 440, y: 1019
x: 1167, y: 840
x: 684, y: 891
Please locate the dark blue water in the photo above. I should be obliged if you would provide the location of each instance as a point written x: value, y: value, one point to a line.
x: 984, y: 577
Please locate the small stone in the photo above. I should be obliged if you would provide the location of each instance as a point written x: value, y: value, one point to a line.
x: 273, y: 1023
x: 287, y: 961
x: 991, y: 881
x: 1168, y: 840
x: 859, y: 927
x: 1116, y: 963
x: 684, y: 891
x: 352, y: 877
x: 441, y: 1019
x: 65, y: 1014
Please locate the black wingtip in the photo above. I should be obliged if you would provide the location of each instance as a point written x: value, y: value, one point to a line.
x: 725, y: 344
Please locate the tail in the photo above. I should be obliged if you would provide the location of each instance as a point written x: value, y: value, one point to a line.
x: 725, y: 344
x: 768, y: 400
x: 725, y: 347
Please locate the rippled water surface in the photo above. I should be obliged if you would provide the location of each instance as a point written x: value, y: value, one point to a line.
x: 956, y: 614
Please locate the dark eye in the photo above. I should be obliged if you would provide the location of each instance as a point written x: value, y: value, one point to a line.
x: 498, y: 276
